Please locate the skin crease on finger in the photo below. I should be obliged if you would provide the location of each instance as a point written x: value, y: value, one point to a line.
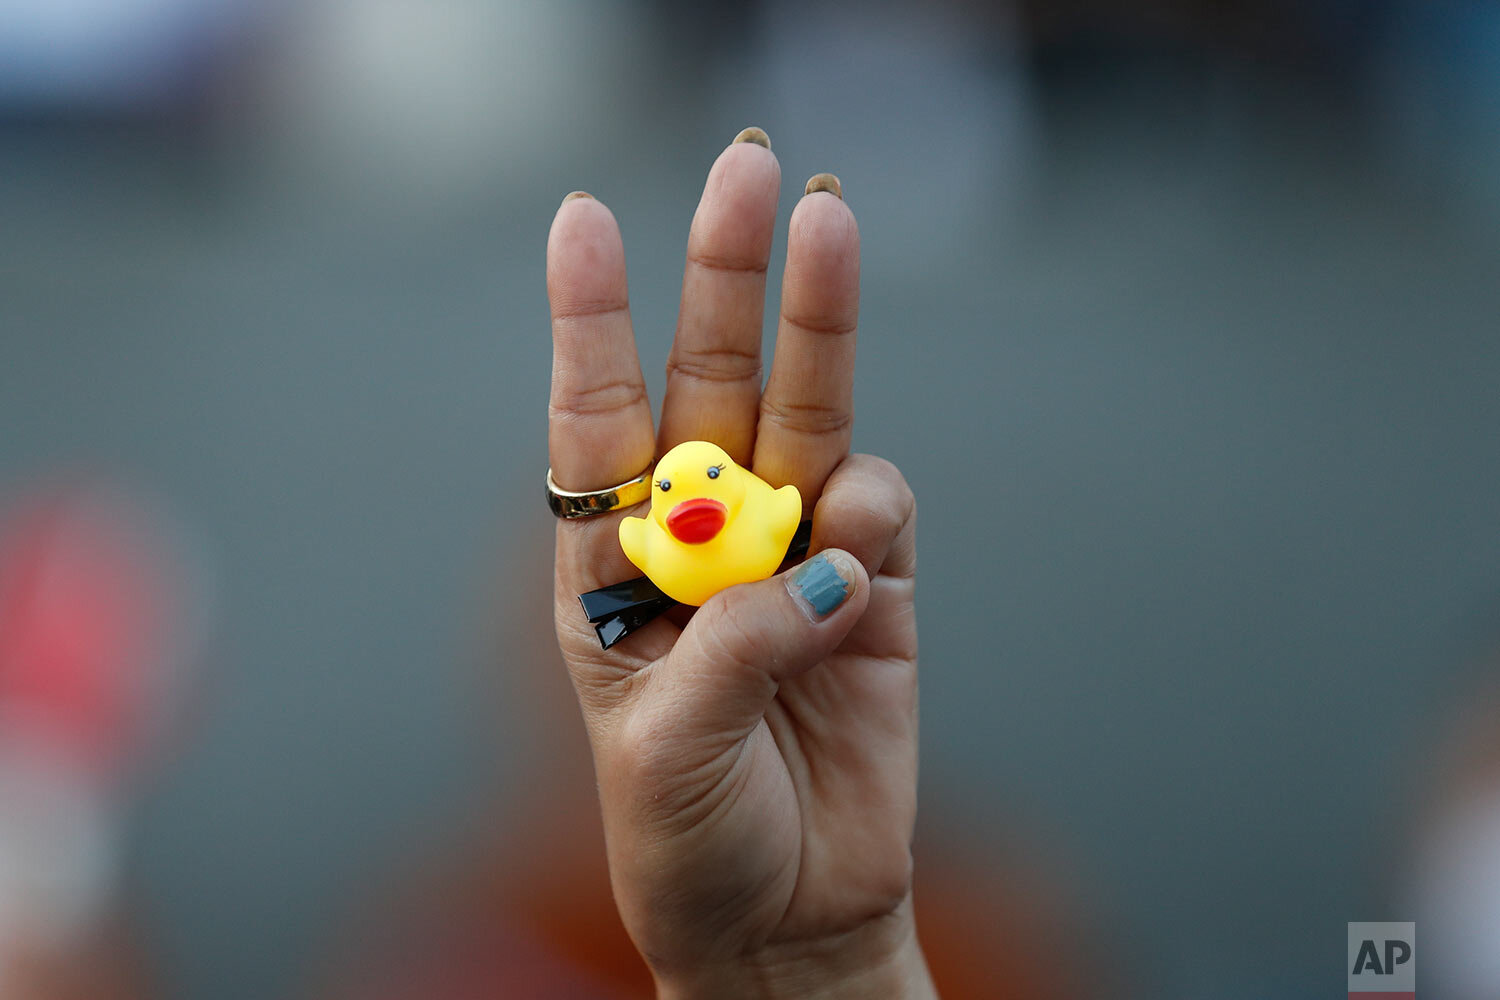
x: 756, y: 765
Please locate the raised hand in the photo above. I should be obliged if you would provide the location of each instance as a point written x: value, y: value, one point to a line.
x: 757, y: 768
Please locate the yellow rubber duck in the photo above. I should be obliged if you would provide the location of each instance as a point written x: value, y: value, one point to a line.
x: 712, y: 524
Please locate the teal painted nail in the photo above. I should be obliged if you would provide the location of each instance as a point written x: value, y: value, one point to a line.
x: 818, y: 583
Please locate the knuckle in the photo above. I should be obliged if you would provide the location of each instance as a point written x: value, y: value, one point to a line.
x: 727, y: 264
x: 873, y: 491
x: 601, y: 399
x: 885, y: 472
x: 724, y: 364
x: 870, y: 509
x: 813, y: 419
x: 820, y: 325
x: 584, y: 309
x: 907, y: 501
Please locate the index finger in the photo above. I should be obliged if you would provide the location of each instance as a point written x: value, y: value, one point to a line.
x: 598, y: 417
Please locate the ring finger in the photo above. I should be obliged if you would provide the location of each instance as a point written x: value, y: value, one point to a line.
x: 807, y: 410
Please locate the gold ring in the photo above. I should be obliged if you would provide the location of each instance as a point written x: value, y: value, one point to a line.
x: 567, y: 504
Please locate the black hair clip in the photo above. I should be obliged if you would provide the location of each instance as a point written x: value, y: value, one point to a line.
x: 621, y: 608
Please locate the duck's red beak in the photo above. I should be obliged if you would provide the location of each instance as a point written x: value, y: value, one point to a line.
x: 696, y: 521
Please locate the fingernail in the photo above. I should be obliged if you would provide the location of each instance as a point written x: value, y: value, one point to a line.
x: 576, y: 194
x: 819, y: 586
x: 755, y: 135
x: 824, y: 182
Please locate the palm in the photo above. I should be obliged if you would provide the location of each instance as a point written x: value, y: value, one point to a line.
x: 732, y: 830
x: 839, y: 729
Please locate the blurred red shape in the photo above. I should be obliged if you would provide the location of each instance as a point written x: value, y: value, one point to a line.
x: 89, y: 606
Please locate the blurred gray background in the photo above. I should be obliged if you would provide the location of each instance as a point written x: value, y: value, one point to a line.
x: 1183, y: 328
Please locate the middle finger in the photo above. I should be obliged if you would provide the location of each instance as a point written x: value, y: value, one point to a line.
x: 714, y: 370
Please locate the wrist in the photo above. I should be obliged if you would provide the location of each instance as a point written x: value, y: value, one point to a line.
x: 879, y: 959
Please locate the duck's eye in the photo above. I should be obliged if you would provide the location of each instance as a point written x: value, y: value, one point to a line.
x: 713, y: 472
x: 665, y: 484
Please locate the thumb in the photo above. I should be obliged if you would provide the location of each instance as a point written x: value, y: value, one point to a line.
x: 725, y: 668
